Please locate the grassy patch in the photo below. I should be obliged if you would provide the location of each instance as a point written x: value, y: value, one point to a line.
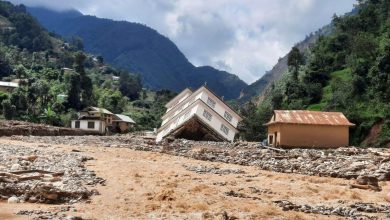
x: 316, y: 107
x: 343, y: 75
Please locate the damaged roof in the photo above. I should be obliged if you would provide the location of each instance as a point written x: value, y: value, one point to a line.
x: 97, y: 109
x: 309, y: 117
x: 125, y: 118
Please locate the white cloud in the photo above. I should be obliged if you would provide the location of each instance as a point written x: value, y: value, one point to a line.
x: 245, y: 37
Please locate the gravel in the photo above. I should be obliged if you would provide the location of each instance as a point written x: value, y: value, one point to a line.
x: 349, y: 162
x: 359, y: 210
x: 68, y: 185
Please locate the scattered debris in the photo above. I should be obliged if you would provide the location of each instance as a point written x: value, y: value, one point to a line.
x: 353, y: 210
x: 214, y: 170
x: 51, y: 177
x: 54, y: 213
x: 241, y: 195
x: 349, y: 163
x: 367, y: 182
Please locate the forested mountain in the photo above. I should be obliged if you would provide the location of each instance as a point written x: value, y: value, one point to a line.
x: 347, y: 70
x: 255, y: 91
x: 139, y: 49
x: 56, y: 78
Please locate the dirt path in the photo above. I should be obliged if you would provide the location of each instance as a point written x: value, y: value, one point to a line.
x: 146, y: 185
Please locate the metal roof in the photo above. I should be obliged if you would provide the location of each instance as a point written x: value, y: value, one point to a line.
x: 309, y: 117
x: 9, y: 84
x: 97, y: 109
x: 124, y: 118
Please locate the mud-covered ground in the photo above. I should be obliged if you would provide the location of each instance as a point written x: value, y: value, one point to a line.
x: 143, y: 184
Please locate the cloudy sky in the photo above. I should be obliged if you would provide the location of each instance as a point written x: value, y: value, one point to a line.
x: 244, y: 37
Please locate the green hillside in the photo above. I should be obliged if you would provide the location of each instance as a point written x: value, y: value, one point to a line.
x: 139, y: 49
x: 346, y: 70
x: 56, y: 78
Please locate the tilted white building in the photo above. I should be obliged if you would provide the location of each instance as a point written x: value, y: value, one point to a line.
x: 199, y: 115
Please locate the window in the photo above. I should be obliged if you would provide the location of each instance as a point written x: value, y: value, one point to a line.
x: 91, y: 124
x: 210, y: 102
x: 224, y: 129
x: 228, y: 116
x: 77, y: 124
x: 207, y: 115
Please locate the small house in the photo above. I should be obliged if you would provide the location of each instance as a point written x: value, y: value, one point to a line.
x: 102, y: 121
x: 198, y: 115
x: 300, y: 128
x: 94, y: 118
x: 122, y: 123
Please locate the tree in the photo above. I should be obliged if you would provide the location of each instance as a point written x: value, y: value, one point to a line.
x: 20, y: 71
x: 49, y: 116
x: 100, y: 60
x: 130, y: 85
x: 85, y: 81
x: 73, y: 83
x: 112, y: 100
x: 77, y: 43
x: 294, y: 60
x: 254, y: 120
x: 8, y: 109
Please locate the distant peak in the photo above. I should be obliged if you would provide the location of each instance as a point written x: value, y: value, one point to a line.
x: 68, y: 13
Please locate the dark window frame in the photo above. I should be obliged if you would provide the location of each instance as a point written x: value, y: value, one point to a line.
x: 224, y: 129
x: 91, y: 123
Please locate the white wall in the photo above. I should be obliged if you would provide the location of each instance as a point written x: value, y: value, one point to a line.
x: 219, y: 107
x: 178, y: 99
x: 198, y: 109
x: 216, y: 122
x: 180, y: 107
x: 99, y: 125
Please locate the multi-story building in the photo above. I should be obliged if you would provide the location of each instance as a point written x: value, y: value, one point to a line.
x: 199, y: 115
x: 102, y: 121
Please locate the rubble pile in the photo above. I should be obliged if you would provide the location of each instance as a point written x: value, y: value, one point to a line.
x: 356, y: 210
x: 29, y: 174
x: 349, y: 163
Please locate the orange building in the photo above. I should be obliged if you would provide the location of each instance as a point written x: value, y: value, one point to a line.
x: 299, y: 128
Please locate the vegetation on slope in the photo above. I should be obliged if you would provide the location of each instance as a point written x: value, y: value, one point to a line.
x: 347, y: 70
x: 139, y: 49
x: 56, y: 77
x: 255, y: 91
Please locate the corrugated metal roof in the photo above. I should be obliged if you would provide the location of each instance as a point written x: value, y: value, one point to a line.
x: 97, y: 109
x: 124, y: 118
x: 309, y: 117
x: 9, y: 84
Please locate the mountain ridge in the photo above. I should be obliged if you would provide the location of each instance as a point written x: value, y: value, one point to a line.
x: 257, y: 89
x: 138, y: 49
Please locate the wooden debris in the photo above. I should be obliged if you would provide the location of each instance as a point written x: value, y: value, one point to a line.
x: 366, y: 187
x: 24, y: 175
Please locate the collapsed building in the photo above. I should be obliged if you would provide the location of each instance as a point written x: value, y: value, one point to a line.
x: 199, y: 115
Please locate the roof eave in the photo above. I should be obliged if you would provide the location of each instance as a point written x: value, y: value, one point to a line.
x: 278, y: 122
